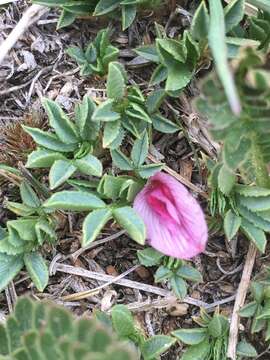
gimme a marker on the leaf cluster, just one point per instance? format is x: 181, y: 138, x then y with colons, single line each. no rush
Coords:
x: 21, y: 240
x: 176, y: 271
x: 97, y: 55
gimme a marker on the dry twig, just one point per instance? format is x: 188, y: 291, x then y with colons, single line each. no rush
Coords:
x: 240, y: 300
x: 32, y: 14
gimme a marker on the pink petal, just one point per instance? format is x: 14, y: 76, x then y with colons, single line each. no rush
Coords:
x: 174, y: 220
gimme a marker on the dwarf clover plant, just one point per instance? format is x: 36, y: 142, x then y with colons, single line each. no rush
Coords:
x: 42, y: 330
x: 97, y: 56
x: 126, y: 109
x: 23, y: 237
x: 70, y: 147
x: 176, y: 271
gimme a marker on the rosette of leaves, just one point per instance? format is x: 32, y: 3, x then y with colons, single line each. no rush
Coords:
x: 259, y: 29
x: 258, y: 309
x: 68, y: 149
x: 210, y: 340
x: 108, y: 199
x: 42, y: 330
x: 176, y: 271
x: 97, y: 55
x: 127, y: 329
x: 126, y: 109
x: 176, y: 59
x: 21, y: 240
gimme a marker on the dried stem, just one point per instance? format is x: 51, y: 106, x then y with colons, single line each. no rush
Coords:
x: 240, y: 300
x: 32, y: 14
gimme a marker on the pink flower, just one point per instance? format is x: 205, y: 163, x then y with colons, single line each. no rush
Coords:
x: 174, y: 220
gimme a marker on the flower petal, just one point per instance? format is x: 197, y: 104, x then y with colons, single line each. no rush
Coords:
x: 181, y: 239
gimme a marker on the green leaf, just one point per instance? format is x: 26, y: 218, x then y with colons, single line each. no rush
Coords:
x: 148, y: 52
x: 28, y: 196
x: 140, y: 150
x: 116, y: 82
x: 215, y: 326
x: 197, y: 352
x: 89, y: 165
x: 234, y: 13
x: 164, y: 125
x: 74, y: 201
x: 232, y: 224
x: 42, y: 158
x: 159, y: 74
x: 66, y: 18
x: 10, y: 266
x: 128, y: 219
x: 190, y: 336
x: 37, y: 269
x: 179, y: 286
x: 254, y: 218
x: 163, y: 273
x: 49, y: 141
x: 88, y: 129
x: 217, y: 43
x: 189, y: 273
x: 257, y: 236
x: 200, y: 22
x: 154, y: 100
x: 93, y: 224
x: 104, y: 112
x: 248, y: 310
x: 123, y: 322
x: 120, y: 160
x: 156, y: 346
x: 178, y: 77
x: 128, y: 15
x: 20, y: 209
x: 149, y: 257
x: 106, y: 6
x: 246, y: 349
x: 255, y: 204
x: 226, y: 180
x: 111, y: 132
x: 252, y: 191
x: 149, y: 170
x: 64, y: 128
x: 60, y: 172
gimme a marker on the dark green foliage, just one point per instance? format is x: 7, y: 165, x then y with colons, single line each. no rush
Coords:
x: 176, y: 271
x: 43, y: 331
x: 97, y: 55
